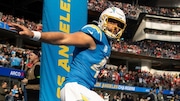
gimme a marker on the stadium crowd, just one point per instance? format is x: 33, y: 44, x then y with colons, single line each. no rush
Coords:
x: 118, y: 75
x: 152, y: 48
x: 132, y: 11
x: 121, y: 75
x: 13, y: 57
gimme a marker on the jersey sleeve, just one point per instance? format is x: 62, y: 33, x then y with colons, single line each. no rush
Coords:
x: 94, y: 31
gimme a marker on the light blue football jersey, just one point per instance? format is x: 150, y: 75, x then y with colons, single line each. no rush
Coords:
x: 86, y: 64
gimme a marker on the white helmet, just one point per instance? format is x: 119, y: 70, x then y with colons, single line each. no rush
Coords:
x: 113, y: 14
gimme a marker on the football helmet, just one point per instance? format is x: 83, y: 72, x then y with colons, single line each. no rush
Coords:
x: 114, y: 15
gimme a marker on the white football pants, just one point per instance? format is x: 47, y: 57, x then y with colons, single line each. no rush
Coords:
x: 75, y: 92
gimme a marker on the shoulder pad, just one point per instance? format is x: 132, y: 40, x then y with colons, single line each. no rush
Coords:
x: 93, y: 30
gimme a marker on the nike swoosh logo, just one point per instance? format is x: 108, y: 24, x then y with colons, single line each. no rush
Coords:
x: 90, y: 31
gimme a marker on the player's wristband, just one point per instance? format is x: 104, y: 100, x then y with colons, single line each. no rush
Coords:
x: 37, y: 35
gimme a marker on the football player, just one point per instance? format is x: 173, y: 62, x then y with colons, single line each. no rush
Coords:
x: 92, y: 50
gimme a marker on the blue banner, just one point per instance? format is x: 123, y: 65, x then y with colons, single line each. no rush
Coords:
x: 4, y: 25
x: 64, y: 16
x: 10, y: 72
x: 129, y: 88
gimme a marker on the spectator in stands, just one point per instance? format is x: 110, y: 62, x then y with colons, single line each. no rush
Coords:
x: 32, y: 79
x: 160, y: 96
x: 152, y: 95
x: 14, y: 90
x: 91, y: 39
x: 15, y: 61
x: 9, y: 96
x: 130, y: 98
x: 115, y: 77
x: 18, y: 96
x: 100, y: 93
x: 176, y: 98
x: 143, y: 98
x: 3, y: 59
x: 124, y: 98
x: 3, y: 90
x: 172, y: 98
x: 106, y: 97
x: 114, y: 98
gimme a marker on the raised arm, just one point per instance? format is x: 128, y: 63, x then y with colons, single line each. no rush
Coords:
x: 78, y: 39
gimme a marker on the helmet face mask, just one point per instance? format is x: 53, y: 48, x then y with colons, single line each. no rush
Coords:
x: 112, y: 15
